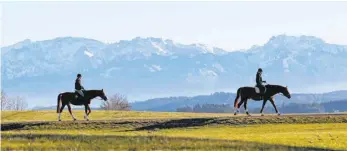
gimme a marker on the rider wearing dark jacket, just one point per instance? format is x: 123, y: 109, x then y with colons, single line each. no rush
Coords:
x: 78, y: 87
x: 260, y: 81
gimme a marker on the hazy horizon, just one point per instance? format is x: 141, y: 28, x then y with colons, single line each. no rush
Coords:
x: 227, y: 25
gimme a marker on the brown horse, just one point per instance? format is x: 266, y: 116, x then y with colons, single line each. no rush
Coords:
x: 245, y: 93
x: 68, y: 98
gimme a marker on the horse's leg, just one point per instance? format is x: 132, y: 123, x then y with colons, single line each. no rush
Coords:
x: 245, y: 106
x: 238, y: 106
x: 73, y: 117
x: 273, y: 103
x: 89, y: 109
x: 262, y: 108
x: 61, y: 110
x: 85, y: 110
x: 237, y: 98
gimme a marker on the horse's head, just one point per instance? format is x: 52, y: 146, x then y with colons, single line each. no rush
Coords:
x: 102, y: 95
x: 285, y: 92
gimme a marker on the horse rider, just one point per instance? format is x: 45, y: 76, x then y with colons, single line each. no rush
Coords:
x: 78, y: 87
x: 260, y: 81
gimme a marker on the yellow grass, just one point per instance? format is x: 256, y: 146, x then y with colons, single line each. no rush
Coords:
x: 329, y: 136
x: 323, y: 135
x: 49, y: 115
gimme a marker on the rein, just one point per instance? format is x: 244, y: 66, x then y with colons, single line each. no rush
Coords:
x: 280, y: 94
x: 98, y: 98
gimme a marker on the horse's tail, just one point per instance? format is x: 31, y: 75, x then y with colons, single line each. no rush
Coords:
x: 59, y: 102
x: 238, y: 97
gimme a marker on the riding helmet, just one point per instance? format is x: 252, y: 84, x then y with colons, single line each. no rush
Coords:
x: 260, y: 70
x: 79, y: 75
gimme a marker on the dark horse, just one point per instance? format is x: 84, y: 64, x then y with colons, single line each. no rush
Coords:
x: 245, y: 93
x: 68, y: 98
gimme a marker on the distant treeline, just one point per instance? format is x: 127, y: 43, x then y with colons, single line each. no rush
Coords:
x: 171, y: 104
x: 332, y: 106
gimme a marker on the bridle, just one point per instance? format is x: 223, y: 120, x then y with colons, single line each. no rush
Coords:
x: 99, y: 98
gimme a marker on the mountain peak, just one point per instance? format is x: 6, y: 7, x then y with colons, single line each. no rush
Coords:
x: 151, y: 39
x: 21, y: 44
x: 285, y: 39
x: 70, y: 39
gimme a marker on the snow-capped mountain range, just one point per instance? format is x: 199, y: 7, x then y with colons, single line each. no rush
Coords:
x: 154, y: 67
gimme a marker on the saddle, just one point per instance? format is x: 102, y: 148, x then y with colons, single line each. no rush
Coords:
x: 257, y: 89
x: 259, y: 95
x: 78, y: 95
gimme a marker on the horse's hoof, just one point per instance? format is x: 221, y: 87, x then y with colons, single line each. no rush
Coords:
x: 74, y: 119
x: 278, y: 114
x: 262, y: 114
x: 235, y: 113
x: 59, y: 120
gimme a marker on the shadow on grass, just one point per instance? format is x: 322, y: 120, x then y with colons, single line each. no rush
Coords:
x: 18, y: 126
x: 69, y: 125
x: 92, y: 142
x: 234, y: 121
x: 134, y: 125
x: 182, y: 123
x: 154, y: 124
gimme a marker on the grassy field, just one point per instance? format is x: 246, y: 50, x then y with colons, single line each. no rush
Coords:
x: 21, y: 116
x: 39, y: 130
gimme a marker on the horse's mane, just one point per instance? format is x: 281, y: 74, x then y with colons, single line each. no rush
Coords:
x: 94, y: 91
x: 274, y: 86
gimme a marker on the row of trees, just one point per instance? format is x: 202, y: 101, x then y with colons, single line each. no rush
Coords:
x: 332, y: 106
x: 16, y: 103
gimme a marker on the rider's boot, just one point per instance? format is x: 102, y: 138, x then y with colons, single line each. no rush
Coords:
x: 261, y: 93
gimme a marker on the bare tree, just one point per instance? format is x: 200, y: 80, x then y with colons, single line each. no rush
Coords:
x: 4, y: 100
x: 116, y: 102
x: 17, y: 103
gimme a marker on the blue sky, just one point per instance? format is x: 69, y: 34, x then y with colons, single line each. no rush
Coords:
x: 229, y: 25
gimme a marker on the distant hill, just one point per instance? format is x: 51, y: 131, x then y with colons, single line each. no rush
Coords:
x: 326, y: 107
x: 172, y: 103
x: 335, y: 106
